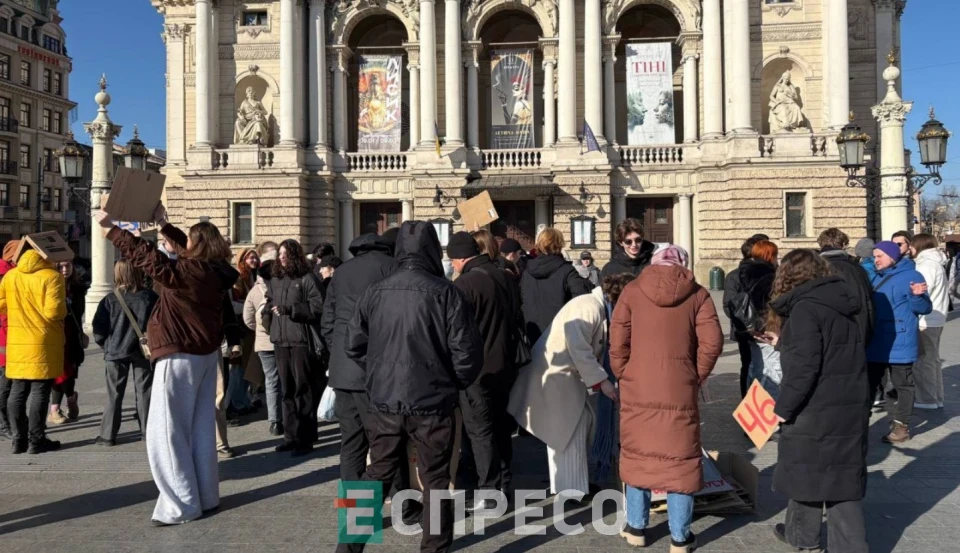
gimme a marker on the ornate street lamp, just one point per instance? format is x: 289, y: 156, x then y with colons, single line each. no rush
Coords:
x: 72, y: 159
x: 932, y: 138
x: 135, y: 154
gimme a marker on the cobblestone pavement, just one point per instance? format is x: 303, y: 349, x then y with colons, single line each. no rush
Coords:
x: 90, y: 498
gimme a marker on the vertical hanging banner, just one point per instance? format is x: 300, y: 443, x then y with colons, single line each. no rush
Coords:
x: 380, y: 108
x: 511, y: 98
x: 650, y: 112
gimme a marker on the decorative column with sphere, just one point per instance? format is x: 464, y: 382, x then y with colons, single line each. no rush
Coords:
x: 891, y: 113
x: 102, y: 131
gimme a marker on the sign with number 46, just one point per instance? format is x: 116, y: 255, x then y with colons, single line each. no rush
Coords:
x: 755, y: 415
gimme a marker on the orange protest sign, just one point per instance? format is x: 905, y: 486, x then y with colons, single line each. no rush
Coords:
x: 755, y: 415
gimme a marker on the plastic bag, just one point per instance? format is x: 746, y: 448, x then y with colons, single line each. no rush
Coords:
x: 326, y: 412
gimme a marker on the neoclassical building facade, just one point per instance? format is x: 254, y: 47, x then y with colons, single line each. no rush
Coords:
x: 320, y: 120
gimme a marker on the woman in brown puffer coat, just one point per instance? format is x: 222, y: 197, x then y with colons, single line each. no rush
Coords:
x: 665, y: 339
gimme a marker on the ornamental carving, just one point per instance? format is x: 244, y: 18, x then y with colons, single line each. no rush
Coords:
x: 547, y: 13
x: 782, y: 8
x: 892, y: 112
x: 687, y: 12
x: 857, y: 20
x: 190, y: 79
x: 250, y: 52
x: 341, y: 12
x: 99, y: 130
x: 787, y: 32
x: 173, y: 32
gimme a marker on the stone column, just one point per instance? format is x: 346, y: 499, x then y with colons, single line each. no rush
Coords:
x: 712, y: 71
x: 610, y: 88
x: 176, y: 97
x: 428, y: 73
x: 214, y: 109
x: 592, y: 68
x: 686, y: 225
x: 837, y: 63
x: 619, y: 200
x: 472, y: 64
x: 452, y: 73
x: 691, y: 113
x: 407, y: 210
x: 338, y: 65
x: 202, y: 77
x: 891, y: 113
x: 102, y: 131
x: 541, y: 213
x: 727, y: 67
x: 567, y: 78
x: 549, y: 49
x: 288, y: 69
x: 740, y: 78
x: 318, y: 74
x: 346, y: 227
x: 413, y: 66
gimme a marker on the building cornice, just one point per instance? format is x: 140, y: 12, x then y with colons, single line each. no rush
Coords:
x: 24, y: 91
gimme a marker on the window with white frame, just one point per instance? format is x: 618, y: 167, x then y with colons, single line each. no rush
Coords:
x: 796, y: 213
x: 241, y: 222
x: 583, y: 231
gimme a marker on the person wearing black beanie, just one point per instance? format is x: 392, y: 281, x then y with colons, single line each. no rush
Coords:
x: 484, y: 403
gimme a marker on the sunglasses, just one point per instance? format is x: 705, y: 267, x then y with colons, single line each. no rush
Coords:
x: 631, y: 242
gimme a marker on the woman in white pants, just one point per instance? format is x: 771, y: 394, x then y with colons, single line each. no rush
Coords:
x: 549, y: 398
x: 184, y: 334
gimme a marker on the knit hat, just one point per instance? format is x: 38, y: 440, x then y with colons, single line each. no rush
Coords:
x: 510, y: 246
x: 864, y: 248
x: 671, y: 255
x: 890, y: 248
x: 10, y: 251
x: 462, y: 246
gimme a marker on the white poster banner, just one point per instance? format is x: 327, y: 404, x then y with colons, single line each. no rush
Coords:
x: 650, y: 110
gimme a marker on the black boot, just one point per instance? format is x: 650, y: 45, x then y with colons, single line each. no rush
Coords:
x: 43, y: 445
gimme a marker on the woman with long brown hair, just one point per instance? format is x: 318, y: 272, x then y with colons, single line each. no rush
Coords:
x: 824, y: 404
x: 238, y: 402
x: 184, y: 335
x: 64, y: 387
x: 292, y: 313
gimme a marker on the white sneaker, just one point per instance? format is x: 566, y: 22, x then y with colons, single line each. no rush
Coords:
x: 939, y: 405
x: 926, y: 406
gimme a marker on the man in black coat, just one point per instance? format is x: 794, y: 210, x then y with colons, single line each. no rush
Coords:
x: 415, y: 336
x: 484, y: 403
x: 833, y: 243
x: 631, y: 253
x: 372, y: 261
x: 732, y: 287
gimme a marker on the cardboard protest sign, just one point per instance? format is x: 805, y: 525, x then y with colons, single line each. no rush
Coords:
x: 477, y: 212
x: 713, y: 481
x: 141, y: 226
x: 755, y: 415
x: 50, y: 245
x: 134, y: 195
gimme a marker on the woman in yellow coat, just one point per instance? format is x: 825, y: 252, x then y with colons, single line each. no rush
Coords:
x: 33, y: 297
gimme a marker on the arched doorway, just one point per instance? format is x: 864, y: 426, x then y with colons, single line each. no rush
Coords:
x: 377, y: 45
x: 640, y: 27
x: 508, y: 31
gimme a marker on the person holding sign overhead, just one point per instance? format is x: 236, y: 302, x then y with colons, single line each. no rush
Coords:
x: 823, y: 404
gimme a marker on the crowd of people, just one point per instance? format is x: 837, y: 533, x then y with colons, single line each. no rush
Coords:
x: 605, y: 367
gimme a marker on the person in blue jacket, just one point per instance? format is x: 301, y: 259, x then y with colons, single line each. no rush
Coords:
x: 900, y: 298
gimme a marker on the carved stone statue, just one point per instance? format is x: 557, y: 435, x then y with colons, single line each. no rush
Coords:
x: 253, y: 121
x: 785, y: 113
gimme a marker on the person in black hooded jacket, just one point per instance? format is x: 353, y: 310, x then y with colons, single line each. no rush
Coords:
x: 833, y: 244
x: 631, y: 253
x: 372, y: 261
x: 415, y: 336
x: 731, y: 287
x: 823, y: 404
x: 548, y: 283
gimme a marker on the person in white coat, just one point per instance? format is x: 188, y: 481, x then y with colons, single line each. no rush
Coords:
x: 927, y: 371
x: 550, y: 397
x: 252, y: 315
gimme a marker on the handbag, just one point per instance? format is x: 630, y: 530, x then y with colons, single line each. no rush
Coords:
x: 524, y: 353
x: 144, y: 347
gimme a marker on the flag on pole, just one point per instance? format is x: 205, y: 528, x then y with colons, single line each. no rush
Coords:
x: 590, y: 139
x: 436, y: 137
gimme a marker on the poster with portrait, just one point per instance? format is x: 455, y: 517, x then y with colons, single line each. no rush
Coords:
x: 380, y: 104
x: 511, y: 98
x: 650, y: 110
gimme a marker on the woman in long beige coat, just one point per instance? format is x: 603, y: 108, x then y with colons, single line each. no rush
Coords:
x: 549, y: 398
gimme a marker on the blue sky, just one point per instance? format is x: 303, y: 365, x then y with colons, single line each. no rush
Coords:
x: 122, y: 39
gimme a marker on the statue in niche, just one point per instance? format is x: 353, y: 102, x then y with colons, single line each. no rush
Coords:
x: 785, y: 113
x: 252, y: 126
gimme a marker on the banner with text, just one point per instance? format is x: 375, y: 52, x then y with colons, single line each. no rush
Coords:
x: 511, y: 98
x: 380, y: 112
x: 650, y: 113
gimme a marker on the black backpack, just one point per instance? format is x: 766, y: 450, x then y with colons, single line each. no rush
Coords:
x: 744, y: 312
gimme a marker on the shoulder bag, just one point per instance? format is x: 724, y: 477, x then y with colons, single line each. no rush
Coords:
x: 144, y: 348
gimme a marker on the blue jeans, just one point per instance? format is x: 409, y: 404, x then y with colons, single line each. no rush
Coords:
x: 679, y: 512
x: 271, y: 380
x: 237, y: 389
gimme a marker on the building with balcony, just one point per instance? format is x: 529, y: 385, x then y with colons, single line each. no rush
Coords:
x: 713, y: 119
x: 34, y: 116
